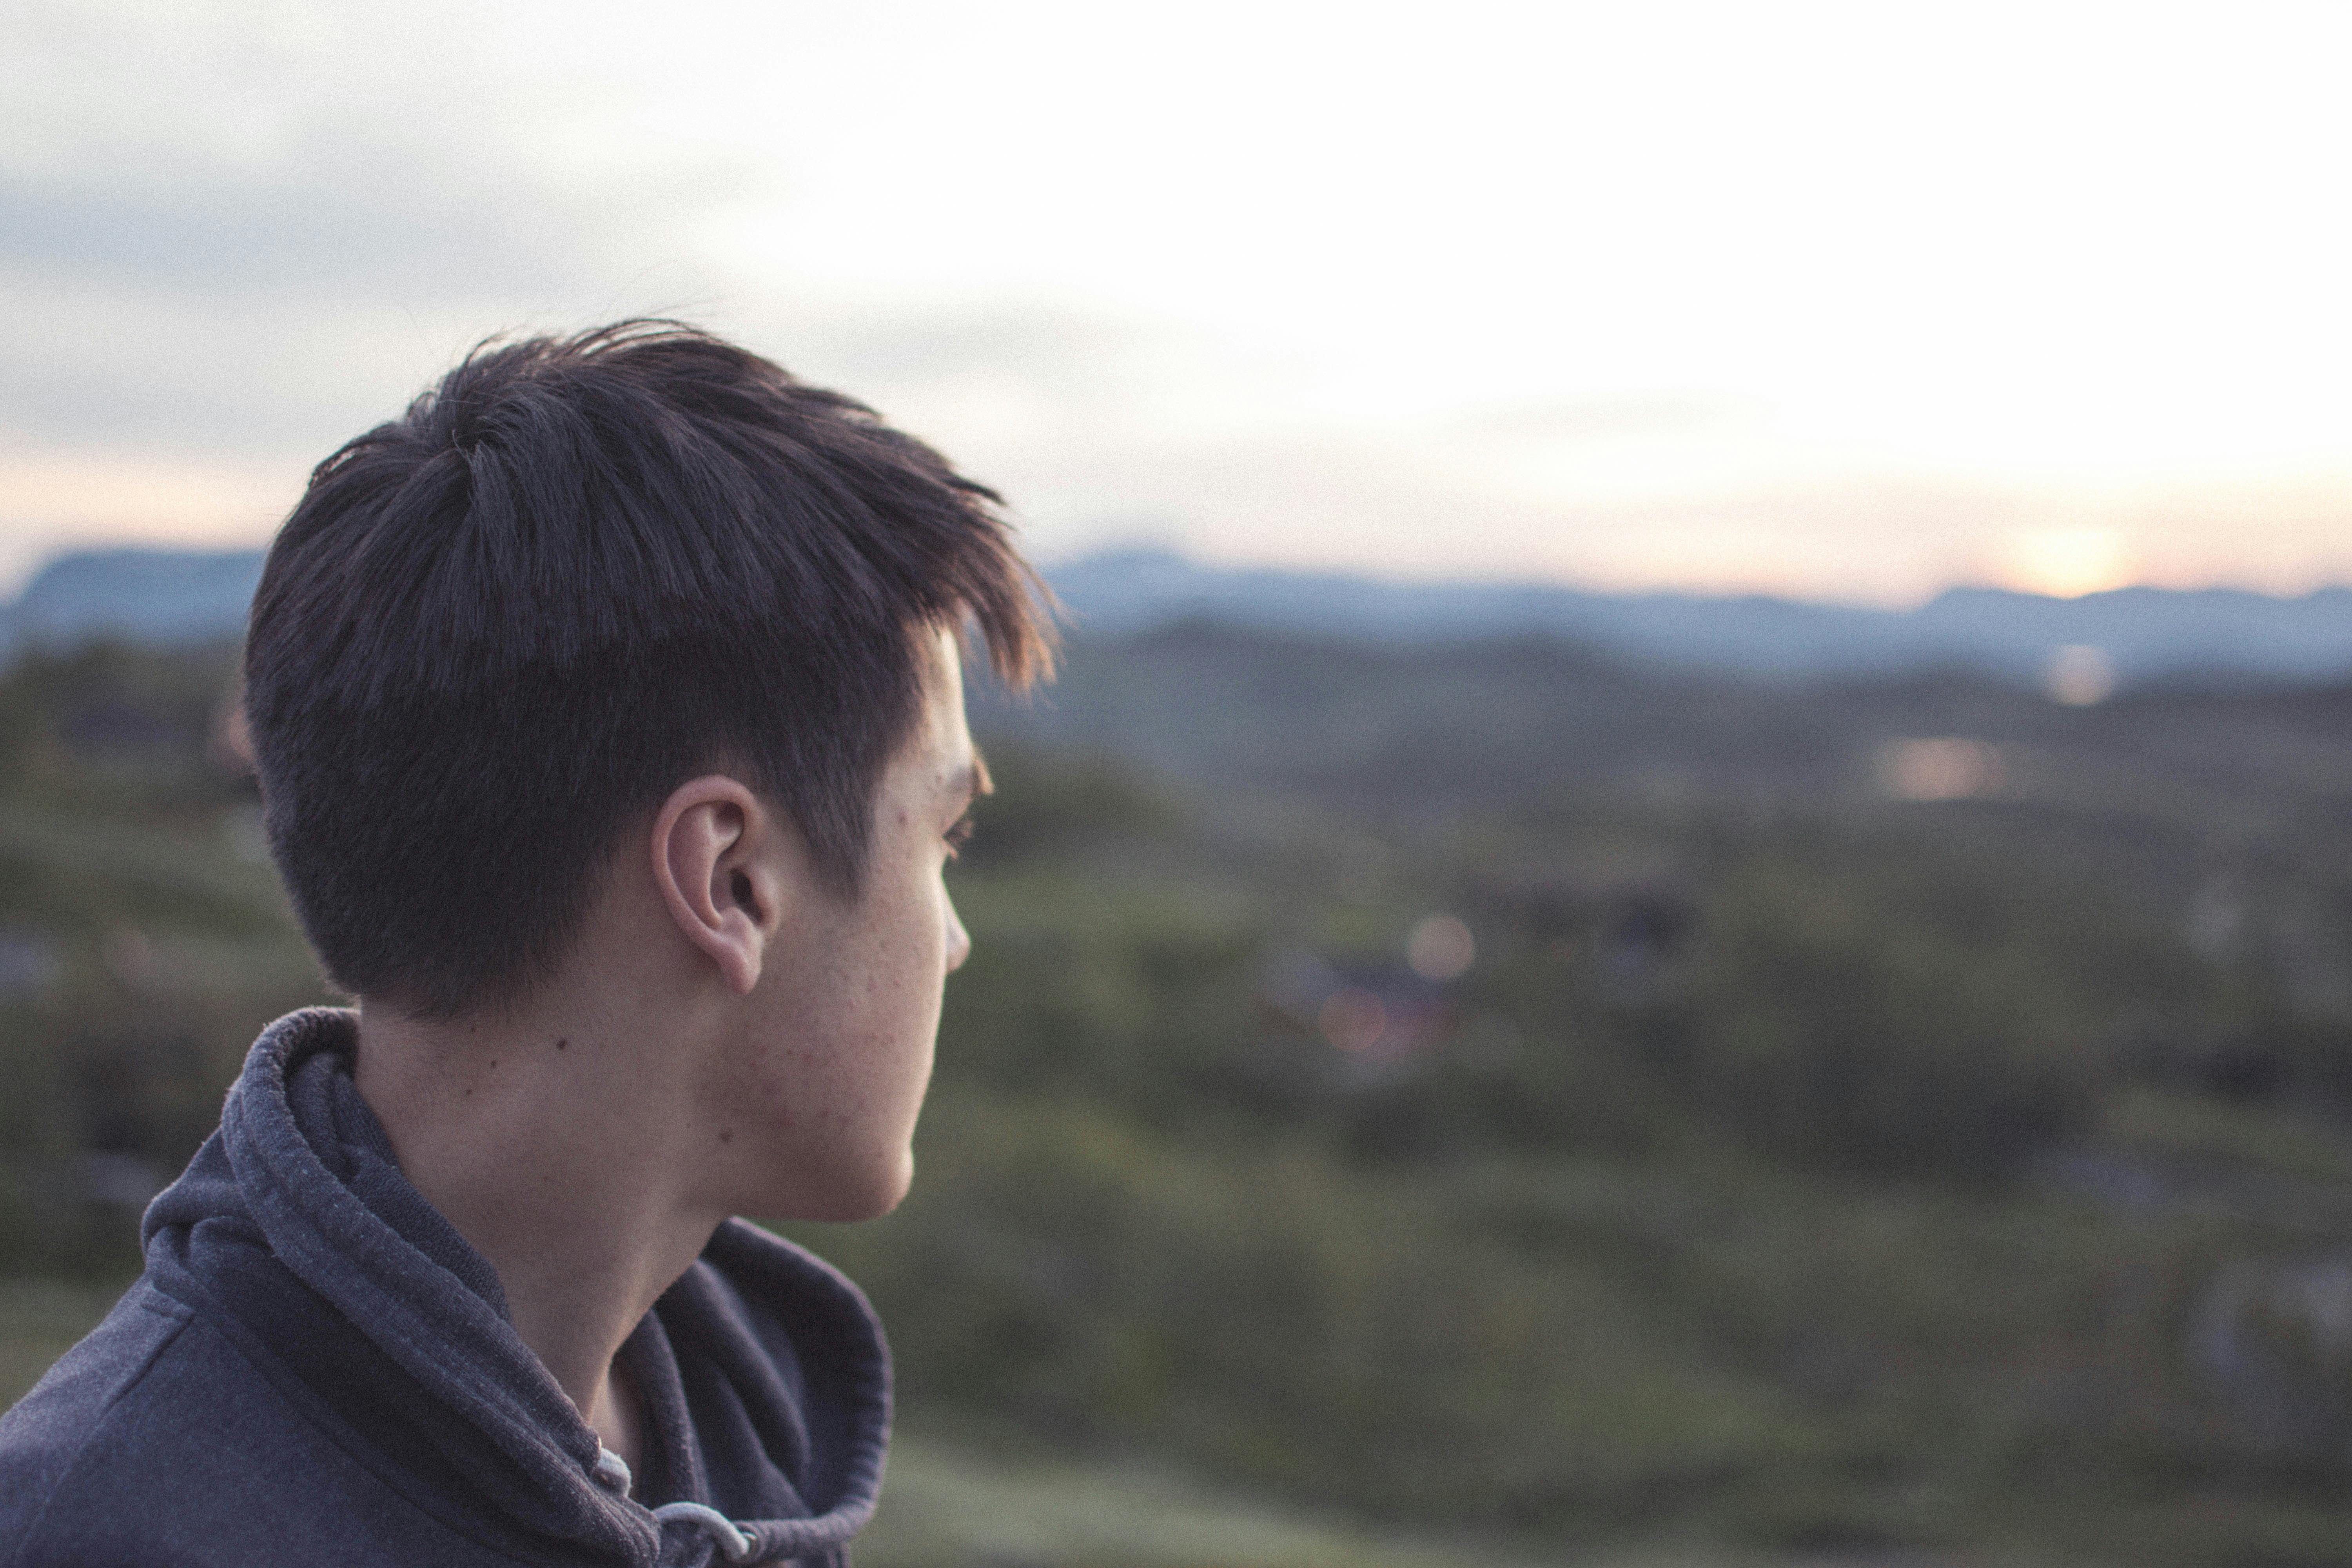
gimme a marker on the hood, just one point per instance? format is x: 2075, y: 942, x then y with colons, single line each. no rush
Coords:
x: 765, y: 1375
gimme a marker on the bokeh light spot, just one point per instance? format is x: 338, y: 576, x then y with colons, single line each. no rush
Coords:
x: 2080, y: 675
x: 1353, y: 1020
x: 1945, y: 768
x: 1439, y: 948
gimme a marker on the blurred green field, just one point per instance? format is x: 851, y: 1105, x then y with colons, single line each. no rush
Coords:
x: 957, y: 1504
x: 1793, y: 1177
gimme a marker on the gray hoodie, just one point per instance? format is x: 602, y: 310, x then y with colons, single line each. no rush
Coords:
x: 316, y: 1368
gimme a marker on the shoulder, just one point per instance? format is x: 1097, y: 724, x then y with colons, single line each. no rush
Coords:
x: 157, y: 1438
x: 48, y: 1432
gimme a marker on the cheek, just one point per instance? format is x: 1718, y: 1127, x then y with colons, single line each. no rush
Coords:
x: 845, y: 1075
x: 894, y: 993
x: 917, y: 970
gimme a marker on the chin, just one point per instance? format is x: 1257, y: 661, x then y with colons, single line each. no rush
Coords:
x: 848, y: 1197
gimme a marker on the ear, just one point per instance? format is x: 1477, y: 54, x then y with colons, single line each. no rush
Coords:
x: 714, y: 851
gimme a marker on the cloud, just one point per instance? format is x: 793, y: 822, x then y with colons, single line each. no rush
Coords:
x: 343, y: 218
x: 233, y: 235
x: 1563, y: 419
x: 1006, y: 363
x: 244, y: 224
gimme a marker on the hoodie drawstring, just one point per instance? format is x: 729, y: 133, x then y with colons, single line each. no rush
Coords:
x: 733, y: 1543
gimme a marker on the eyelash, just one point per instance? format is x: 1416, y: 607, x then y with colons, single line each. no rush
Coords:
x: 959, y: 835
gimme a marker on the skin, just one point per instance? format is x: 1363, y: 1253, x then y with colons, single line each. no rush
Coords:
x: 728, y: 1036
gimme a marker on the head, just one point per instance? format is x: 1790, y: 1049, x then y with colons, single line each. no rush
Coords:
x: 499, y: 635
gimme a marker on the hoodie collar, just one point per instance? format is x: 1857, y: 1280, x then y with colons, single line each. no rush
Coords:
x: 765, y: 1375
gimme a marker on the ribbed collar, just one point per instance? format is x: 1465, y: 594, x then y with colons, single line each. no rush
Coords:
x: 766, y: 1377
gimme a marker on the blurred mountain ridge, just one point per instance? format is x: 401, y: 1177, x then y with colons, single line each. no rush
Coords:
x: 2145, y: 633
x: 164, y: 597
x: 149, y: 596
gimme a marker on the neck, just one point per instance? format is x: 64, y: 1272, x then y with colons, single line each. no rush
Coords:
x: 547, y: 1141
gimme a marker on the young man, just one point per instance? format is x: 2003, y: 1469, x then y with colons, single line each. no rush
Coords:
x: 610, y: 729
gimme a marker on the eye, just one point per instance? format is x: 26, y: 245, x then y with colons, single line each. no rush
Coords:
x: 960, y: 835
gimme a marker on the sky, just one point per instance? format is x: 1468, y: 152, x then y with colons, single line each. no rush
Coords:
x: 1842, y: 302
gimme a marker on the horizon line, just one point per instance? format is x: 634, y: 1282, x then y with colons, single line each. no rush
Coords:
x: 11, y: 592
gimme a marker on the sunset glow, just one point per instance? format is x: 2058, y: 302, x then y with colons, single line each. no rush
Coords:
x: 1689, y: 296
x: 2067, y: 562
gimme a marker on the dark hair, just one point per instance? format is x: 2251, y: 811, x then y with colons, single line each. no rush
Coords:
x: 501, y: 627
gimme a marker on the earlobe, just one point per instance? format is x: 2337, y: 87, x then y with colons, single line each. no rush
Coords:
x: 707, y: 843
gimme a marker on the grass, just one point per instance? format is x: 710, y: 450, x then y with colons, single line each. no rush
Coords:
x: 2249, y: 1137
x: 947, y: 1502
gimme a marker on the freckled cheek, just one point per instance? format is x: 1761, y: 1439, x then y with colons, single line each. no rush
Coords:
x: 845, y: 1072
x: 780, y: 1100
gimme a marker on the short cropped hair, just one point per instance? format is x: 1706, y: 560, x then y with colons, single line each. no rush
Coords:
x: 500, y: 629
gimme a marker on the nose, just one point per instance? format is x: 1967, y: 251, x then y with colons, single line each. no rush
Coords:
x: 959, y: 940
